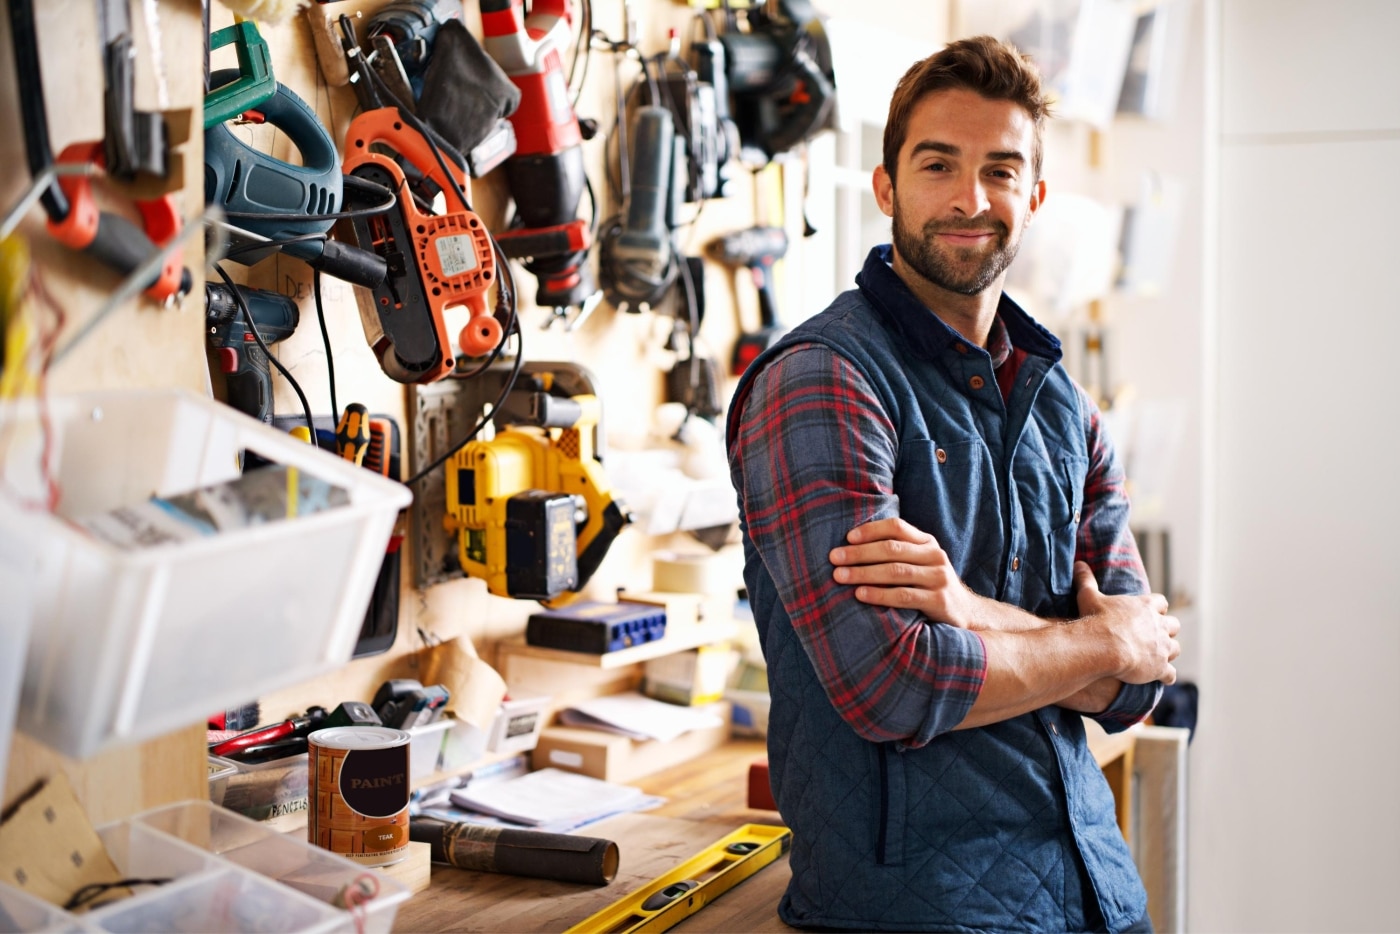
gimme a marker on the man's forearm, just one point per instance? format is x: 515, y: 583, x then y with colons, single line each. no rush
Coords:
x: 987, y: 613
x: 1027, y: 670
x: 1094, y: 699
x: 992, y: 614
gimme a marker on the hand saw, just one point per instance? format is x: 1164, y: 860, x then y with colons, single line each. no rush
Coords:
x: 436, y: 261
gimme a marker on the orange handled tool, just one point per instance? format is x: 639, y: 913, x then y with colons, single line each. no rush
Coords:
x: 352, y: 434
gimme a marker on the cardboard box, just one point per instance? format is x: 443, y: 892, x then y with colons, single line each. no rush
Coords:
x: 616, y: 758
x: 692, y: 678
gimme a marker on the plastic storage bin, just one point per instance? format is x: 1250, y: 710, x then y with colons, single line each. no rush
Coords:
x: 204, y: 894
x: 425, y: 748
x: 130, y: 644
x: 219, y: 771
x: 292, y: 863
x: 16, y: 571
x: 226, y: 874
x: 20, y: 911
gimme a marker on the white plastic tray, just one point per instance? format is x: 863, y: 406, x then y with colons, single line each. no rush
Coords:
x: 130, y: 644
x: 227, y: 874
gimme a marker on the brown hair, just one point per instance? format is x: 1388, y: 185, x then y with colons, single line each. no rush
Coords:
x: 982, y: 64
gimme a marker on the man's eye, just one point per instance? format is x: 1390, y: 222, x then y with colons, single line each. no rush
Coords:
x: 1001, y: 173
x: 936, y: 167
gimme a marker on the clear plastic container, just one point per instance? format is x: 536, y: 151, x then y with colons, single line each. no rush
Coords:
x: 202, y: 894
x: 20, y: 911
x: 291, y: 862
x: 425, y: 748
x: 220, y: 769
x: 216, y: 902
x: 157, y: 637
x: 16, y: 570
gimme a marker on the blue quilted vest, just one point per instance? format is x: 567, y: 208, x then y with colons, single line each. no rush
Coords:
x: 1010, y: 827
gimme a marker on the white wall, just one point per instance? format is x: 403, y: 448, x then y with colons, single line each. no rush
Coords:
x: 1296, y: 766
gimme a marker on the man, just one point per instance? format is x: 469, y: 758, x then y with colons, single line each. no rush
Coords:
x: 938, y: 558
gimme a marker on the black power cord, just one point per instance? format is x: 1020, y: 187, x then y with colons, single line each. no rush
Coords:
x: 248, y: 320
x: 325, y: 342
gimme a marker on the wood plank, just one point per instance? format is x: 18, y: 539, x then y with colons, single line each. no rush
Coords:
x: 678, y: 638
x: 479, y: 901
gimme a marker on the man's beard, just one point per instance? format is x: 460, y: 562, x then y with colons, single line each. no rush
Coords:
x: 956, y: 269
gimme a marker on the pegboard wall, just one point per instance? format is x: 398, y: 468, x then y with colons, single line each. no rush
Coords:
x: 143, y: 343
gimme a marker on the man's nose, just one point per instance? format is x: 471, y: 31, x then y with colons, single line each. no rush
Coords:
x: 970, y: 196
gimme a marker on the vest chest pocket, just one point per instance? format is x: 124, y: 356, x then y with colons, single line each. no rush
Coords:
x: 1070, y: 473
x: 941, y: 490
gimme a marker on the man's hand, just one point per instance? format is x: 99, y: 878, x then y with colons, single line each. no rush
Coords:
x: 1142, y: 632
x: 891, y: 563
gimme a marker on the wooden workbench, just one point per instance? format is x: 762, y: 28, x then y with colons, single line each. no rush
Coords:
x: 706, y: 799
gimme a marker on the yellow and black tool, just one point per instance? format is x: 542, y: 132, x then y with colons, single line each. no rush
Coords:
x: 533, y: 511
x: 352, y: 434
x: 673, y: 896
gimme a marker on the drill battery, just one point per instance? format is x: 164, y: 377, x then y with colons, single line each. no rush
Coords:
x: 596, y: 628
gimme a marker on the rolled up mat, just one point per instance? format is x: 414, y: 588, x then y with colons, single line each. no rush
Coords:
x: 559, y: 856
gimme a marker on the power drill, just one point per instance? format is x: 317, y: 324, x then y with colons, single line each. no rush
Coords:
x: 755, y: 249
x: 242, y: 361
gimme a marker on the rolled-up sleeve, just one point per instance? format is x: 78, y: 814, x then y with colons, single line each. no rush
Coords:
x: 1107, y: 545
x: 813, y: 455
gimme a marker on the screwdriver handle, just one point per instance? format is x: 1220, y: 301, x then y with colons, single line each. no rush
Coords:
x: 352, y: 433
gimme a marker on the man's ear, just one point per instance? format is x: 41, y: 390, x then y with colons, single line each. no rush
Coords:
x: 1038, y: 192
x: 883, y: 186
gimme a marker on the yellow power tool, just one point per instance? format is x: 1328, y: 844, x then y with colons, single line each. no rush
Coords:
x: 532, y: 509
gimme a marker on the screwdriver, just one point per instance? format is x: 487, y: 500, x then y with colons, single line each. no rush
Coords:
x: 352, y: 434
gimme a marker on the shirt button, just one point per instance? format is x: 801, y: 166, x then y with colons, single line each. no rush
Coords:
x: 960, y: 347
x: 1016, y: 563
x: 1076, y: 516
x: 941, y: 455
x: 977, y: 382
x: 1054, y: 729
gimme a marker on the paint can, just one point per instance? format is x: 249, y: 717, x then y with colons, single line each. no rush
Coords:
x: 358, y: 788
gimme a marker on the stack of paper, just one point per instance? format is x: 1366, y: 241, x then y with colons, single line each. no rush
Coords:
x: 551, y: 797
x: 639, y: 717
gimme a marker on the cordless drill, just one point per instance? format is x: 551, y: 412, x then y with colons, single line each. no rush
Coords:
x: 755, y: 249
x: 245, y: 366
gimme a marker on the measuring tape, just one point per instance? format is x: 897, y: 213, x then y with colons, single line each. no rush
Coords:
x: 674, y: 896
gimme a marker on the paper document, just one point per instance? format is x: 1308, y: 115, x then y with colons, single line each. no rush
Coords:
x: 639, y: 717
x: 550, y: 796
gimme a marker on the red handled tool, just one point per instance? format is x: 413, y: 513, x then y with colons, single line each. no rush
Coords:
x: 296, y: 726
x: 546, y: 175
x: 74, y: 217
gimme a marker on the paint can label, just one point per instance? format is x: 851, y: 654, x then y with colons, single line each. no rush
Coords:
x: 358, y: 788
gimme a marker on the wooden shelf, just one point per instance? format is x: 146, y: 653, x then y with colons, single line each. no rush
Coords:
x: 678, y: 638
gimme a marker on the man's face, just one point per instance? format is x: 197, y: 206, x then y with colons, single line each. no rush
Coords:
x: 964, y: 192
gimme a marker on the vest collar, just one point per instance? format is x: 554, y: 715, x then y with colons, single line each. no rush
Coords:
x: 925, y: 332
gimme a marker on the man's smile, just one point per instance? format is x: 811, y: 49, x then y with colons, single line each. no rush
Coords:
x: 966, y: 237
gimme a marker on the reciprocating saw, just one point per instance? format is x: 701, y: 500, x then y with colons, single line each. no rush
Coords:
x: 533, y: 511
x: 546, y: 175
